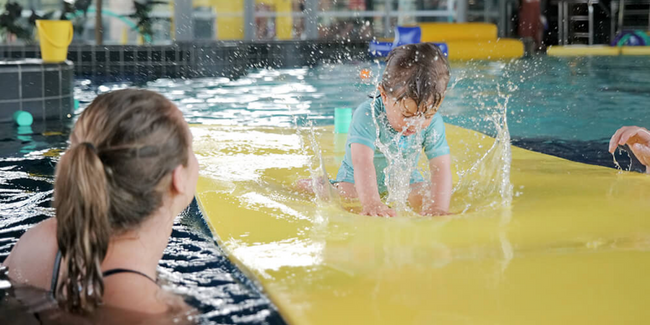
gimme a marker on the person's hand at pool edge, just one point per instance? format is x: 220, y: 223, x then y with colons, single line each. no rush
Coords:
x: 637, y: 138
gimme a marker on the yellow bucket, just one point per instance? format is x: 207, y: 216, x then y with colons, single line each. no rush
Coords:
x: 55, y: 36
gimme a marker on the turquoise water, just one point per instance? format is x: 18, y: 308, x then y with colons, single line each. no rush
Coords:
x: 581, y: 99
x: 568, y: 107
x: 571, y: 99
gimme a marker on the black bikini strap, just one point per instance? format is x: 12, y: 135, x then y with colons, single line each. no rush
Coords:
x: 57, y: 267
x: 115, y: 271
x: 55, y: 273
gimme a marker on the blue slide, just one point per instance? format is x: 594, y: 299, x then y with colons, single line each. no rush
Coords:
x: 403, y: 35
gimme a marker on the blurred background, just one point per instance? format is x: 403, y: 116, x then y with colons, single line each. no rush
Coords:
x: 125, y: 21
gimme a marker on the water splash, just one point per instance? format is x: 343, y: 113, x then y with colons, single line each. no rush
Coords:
x: 487, y: 183
x: 616, y: 164
x: 622, y: 150
x: 316, y: 166
x: 400, y: 167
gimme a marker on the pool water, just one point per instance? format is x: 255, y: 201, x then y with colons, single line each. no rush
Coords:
x: 565, y: 107
x: 192, y: 265
x: 569, y: 99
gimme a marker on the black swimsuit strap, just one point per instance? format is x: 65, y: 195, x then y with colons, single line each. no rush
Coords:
x: 57, y: 267
x: 55, y: 273
x: 116, y: 271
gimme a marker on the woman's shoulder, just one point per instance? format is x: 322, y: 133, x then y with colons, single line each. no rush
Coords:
x: 32, y: 258
x: 43, y: 234
x: 130, y: 292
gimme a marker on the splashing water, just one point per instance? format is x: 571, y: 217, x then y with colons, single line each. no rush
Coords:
x: 487, y: 182
x: 618, y: 166
x: 622, y: 150
x: 400, y: 166
x: 318, y: 174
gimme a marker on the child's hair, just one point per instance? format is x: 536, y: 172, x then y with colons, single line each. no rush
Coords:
x: 123, y: 149
x: 419, y: 72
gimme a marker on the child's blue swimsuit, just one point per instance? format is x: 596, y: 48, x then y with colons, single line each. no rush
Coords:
x: 363, y: 130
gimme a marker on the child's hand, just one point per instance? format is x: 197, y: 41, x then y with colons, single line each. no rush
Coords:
x: 365, y: 181
x: 377, y: 209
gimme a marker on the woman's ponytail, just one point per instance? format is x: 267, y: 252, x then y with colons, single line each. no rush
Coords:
x: 108, y: 182
x: 81, y: 202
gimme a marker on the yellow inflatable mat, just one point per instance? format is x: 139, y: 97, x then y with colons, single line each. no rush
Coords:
x: 472, y: 41
x: 635, y: 50
x: 597, y: 50
x: 496, y: 49
x: 583, y: 50
x: 572, y: 248
x: 445, y: 32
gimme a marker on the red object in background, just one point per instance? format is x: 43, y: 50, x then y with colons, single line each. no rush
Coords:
x: 357, y: 4
x: 530, y: 22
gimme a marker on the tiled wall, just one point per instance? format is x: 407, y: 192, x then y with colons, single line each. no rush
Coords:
x: 44, y: 90
x: 197, y: 59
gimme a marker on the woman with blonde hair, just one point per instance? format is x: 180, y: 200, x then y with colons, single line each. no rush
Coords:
x: 129, y: 171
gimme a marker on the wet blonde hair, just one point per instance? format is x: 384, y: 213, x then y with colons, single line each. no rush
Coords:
x: 112, y: 177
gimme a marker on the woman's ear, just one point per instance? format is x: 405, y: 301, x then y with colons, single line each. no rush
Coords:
x: 178, y: 180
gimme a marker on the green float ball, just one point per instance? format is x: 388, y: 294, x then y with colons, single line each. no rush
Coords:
x: 342, y: 119
x: 22, y: 118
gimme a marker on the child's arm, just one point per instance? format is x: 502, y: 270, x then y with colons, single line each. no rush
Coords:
x: 365, y: 180
x: 441, y: 187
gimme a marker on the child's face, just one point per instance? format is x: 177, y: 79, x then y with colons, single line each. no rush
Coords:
x: 402, y: 114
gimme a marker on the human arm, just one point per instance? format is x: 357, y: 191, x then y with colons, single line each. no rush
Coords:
x: 365, y: 180
x: 637, y: 138
x: 437, y: 202
x: 437, y: 198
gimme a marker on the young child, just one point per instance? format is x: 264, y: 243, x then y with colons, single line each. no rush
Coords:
x: 412, y: 89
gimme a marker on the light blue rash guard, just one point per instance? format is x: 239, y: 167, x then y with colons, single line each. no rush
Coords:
x: 363, y: 130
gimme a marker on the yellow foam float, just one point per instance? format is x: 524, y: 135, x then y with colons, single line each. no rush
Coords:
x: 597, y: 50
x: 496, y: 49
x: 583, y: 50
x: 472, y: 41
x: 444, y: 32
x: 635, y: 50
x: 572, y: 248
